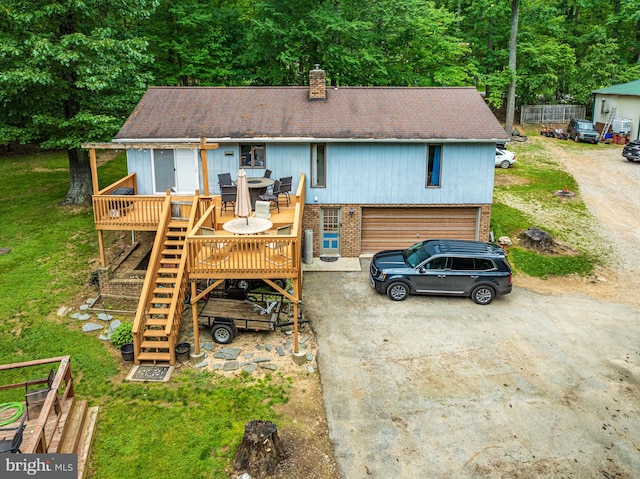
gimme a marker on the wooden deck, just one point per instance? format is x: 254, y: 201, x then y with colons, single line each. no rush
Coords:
x: 182, y: 255
x: 58, y: 422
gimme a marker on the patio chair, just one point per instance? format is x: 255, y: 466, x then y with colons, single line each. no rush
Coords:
x: 229, y: 195
x: 219, y: 251
x: 34, y: 398
x: 273, y: 196
x: 275, y: 253
x: 11, y: 438
x: 224, y: 179
x: 262, y: 210
x: 285, y: 187
x: 267, y: 173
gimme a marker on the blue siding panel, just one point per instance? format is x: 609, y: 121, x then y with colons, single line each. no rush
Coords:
x: 359, y: 173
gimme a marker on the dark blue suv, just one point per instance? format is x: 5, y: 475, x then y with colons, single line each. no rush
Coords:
x: 443, y: 267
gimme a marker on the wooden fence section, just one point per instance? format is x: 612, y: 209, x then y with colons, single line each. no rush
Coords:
x: 551, y: 113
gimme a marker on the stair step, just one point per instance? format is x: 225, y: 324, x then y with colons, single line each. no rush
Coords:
x: 158, y: 310
x: 166, y: 260
x: 163, y: 291
x: 143, y: 356
x: 161, y: 300
x: 155, y: 345
x: 73, y: 428
x: 173, y: 243
x: 157, y: 322
x: 165, y: 280
x: 172, y: 271
x: 154, y: 333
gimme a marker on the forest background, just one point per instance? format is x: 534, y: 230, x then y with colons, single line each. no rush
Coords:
x: 71, y: 71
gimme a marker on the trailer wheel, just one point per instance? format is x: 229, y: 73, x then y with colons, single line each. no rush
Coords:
x: 222, y: 333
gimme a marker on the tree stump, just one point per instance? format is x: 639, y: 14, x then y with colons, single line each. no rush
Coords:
x: 538, y: 240
x: 260, y: 449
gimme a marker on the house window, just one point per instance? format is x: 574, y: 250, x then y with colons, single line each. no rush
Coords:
x: 318, y: 166
x: 252, y: 156
x: 434, y: 164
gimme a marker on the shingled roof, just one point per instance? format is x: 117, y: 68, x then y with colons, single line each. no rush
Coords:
x: 282, y: 113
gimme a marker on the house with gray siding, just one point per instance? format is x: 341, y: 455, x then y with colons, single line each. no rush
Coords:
x: 385, y: 166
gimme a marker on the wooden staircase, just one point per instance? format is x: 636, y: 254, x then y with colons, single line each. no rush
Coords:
x: 74, y: 433
x: 157, y: 334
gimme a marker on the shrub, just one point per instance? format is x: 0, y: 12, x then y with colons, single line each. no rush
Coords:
x: 122, y: 335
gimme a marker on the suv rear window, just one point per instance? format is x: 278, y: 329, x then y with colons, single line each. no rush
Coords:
x: 472, y: 264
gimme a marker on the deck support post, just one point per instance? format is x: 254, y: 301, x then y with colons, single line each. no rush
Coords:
x: 94, y: 170
x: 296, y: 306
x: 103, y: 260
x: 194, y: 313
x: 205, y: 166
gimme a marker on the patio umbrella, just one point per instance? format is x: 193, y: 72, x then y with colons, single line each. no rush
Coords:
x: 243, y: 198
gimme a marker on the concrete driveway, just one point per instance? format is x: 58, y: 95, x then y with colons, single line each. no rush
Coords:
x: 529, y: 386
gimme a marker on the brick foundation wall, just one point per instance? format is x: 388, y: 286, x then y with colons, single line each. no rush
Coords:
x: 109, y: 286
x: 350, y: 231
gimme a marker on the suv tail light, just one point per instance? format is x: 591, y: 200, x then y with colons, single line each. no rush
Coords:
x: 510, y: 278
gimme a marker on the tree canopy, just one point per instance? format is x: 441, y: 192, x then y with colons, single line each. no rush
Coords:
x: 71, y: 71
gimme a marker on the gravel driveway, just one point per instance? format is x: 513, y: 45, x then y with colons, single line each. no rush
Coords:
x: 533, y: 385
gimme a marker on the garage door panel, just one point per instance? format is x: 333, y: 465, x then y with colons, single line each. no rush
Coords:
x: 392, y: 228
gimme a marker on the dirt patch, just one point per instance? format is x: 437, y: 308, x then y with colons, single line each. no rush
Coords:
x: 510, y: 180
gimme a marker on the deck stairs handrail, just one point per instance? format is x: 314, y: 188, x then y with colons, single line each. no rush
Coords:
x: 157, y: 322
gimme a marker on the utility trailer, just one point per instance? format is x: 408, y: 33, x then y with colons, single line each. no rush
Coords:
x: 226, y: 316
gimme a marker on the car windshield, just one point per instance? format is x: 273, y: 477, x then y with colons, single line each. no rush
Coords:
x: 585, y: 125
x: 416, y: 254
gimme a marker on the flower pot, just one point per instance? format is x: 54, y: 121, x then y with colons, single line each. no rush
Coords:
x: 182, y: 352
x: 127, y: 352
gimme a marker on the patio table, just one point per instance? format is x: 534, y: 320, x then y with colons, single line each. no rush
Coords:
x: 239, y: 226
x: 256, y: 185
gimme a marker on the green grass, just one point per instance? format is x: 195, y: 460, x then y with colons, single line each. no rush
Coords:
x: 538, y: 176
x: 187, y: 428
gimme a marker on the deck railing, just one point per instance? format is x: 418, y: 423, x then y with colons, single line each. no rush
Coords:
x: 256, y: 256
x: 134, y: 212
x: 152, y: 271
x: 56, y: 396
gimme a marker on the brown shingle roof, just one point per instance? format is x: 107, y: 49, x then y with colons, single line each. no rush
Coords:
x: 286, y: 112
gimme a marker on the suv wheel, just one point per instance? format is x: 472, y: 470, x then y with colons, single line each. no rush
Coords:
x: 483, y: 294
x: 575, y: 138
x: 398, y: 291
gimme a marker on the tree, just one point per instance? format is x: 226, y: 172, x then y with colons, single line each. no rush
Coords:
x: 196, y: 42
x: 69, y: 73
x: 513, y: 45
x: 405, y: 42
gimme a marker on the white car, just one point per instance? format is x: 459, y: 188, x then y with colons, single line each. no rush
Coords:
x: 504, y: 158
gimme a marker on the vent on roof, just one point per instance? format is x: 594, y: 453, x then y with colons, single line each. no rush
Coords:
x: 317, y: 84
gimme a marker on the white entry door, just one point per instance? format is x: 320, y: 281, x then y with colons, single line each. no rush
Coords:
x: 187, y: 172
x: 176, y: 170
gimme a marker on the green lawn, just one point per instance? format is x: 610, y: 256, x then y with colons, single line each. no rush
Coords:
x: 187, y: 428
x: 527, y: 200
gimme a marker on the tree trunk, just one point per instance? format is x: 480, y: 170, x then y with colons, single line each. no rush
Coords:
x: 80, y: 187
x: 260, y: 449
x: 513, y: 44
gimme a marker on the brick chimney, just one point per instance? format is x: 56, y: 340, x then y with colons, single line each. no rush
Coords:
x: 317, y: 84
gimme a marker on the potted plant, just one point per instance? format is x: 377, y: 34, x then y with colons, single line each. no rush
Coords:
x: 122, y: 338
